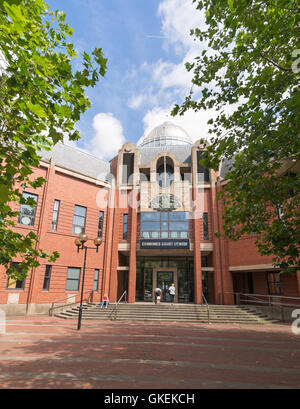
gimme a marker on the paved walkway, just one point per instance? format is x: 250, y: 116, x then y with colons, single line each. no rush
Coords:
x: 47, y: 352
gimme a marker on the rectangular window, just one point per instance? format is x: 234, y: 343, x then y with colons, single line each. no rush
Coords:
x: 202, y: 172
x: 205, y: 226
x: 73, y: 278
x: 47, y: 277
x: 165, y: 225
x: 100, y: 224
x: 96, y: 279
x: 15, y: 284
x: 55, y: 215
x: 128, y: 168
x: 27, y: 212
x: 125, y: 226
x: 79, y: 219
x: 274, y: 283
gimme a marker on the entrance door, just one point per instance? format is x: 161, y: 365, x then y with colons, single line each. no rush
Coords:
x: 122, y: 283
x: 164, y: 281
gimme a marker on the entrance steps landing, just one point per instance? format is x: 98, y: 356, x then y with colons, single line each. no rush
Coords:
x: 232, y: 314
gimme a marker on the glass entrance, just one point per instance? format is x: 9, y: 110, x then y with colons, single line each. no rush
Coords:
x: 164, y: 281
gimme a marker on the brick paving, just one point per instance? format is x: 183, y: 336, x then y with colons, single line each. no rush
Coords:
x: 46, y: 352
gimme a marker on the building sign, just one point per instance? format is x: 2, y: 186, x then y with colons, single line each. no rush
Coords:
x: 165, y: 244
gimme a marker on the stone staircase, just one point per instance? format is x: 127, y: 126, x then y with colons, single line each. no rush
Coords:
x: 232, y: 314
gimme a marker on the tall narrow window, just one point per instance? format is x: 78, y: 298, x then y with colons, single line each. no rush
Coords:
x: 79, y: 219
x: 205, y: 226
x: 15, y: 284
x: 96, y: 279
x: 125, y: 226
x: 202, y: 172
x: 55, y: 215
x: 47, y: 277
x: 73, y: 278
x: 100, y: 224
x: 128, y: 168
x: 27, y: 211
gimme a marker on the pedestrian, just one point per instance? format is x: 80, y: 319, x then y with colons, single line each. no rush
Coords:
x: 157, y: 294
x: 172, y: 291
x: 105, y: 301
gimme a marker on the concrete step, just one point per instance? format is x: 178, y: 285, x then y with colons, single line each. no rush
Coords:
x: 167, y: 312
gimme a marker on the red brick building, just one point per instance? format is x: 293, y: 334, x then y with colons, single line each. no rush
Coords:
x: 156, y: 211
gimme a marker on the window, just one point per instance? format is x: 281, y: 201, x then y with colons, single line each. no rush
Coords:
x: 47, y: 277
x: 128, y: 168
x: 164, y: 225
x: 79, y: 219
x: 165, y: 175
x: 100, y: 224
x: 73, y: 278
x: 96, y: 279
x: 55, y: 215
x: 15, y: 284
x: 125, y: 226
x: 27, y: 212
x: 205, y: 226
x: 274, y: 283
x: 202, y: 172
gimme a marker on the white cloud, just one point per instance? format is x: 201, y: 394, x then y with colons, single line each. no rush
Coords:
x: 108, y: 136
x: 178, y: 18
x: 136, y: 101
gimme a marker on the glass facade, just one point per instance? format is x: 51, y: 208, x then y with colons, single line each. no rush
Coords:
x: 185, y: 276
x: 164, y: 225
x: 166, y: 141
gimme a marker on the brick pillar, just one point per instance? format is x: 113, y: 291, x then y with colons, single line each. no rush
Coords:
x: 33, y: 290
x: 114, y: 255
x: 132, y: 254
x: 197, y: 253
x: 217, y: 254
x: 109, y: 243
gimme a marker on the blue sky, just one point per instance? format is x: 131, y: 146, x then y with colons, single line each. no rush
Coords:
x: 146, y: 43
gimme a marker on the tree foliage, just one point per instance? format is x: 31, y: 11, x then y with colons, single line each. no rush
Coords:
x: 41, y: 99
x: 248, y: 73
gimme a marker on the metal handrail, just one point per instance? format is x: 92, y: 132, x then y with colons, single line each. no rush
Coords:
x: 115, y: 310
x: 253, y: 299
x: 207, y: 306
x: 67, y: 298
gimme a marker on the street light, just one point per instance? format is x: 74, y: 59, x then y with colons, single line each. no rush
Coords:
x: 79, y: 242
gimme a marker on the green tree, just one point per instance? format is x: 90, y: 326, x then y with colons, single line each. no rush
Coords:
x: 41, y: 99
x: 248, y: 72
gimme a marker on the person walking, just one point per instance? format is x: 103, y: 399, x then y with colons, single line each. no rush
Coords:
x: 157, y: 295
x: 172, y: 292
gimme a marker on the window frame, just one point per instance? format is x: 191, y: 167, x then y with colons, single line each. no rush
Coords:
x: 47, y: 277
x: 22, y: 207
x: 100, y: 223
x: 125, y: 224
x: 55, y: 212
x: 96, y: 280
x: 205, y: 226
x: 164, y: 232
x: 73, y: 279
x: 79, y: 216
x: 15, y: 264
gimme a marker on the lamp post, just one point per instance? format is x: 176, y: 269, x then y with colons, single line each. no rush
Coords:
x: 79, y: 242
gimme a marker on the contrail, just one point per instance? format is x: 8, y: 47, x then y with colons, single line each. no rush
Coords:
x: 154, y: 36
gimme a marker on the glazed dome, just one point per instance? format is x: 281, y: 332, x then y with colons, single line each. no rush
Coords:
x: 166, y: 134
